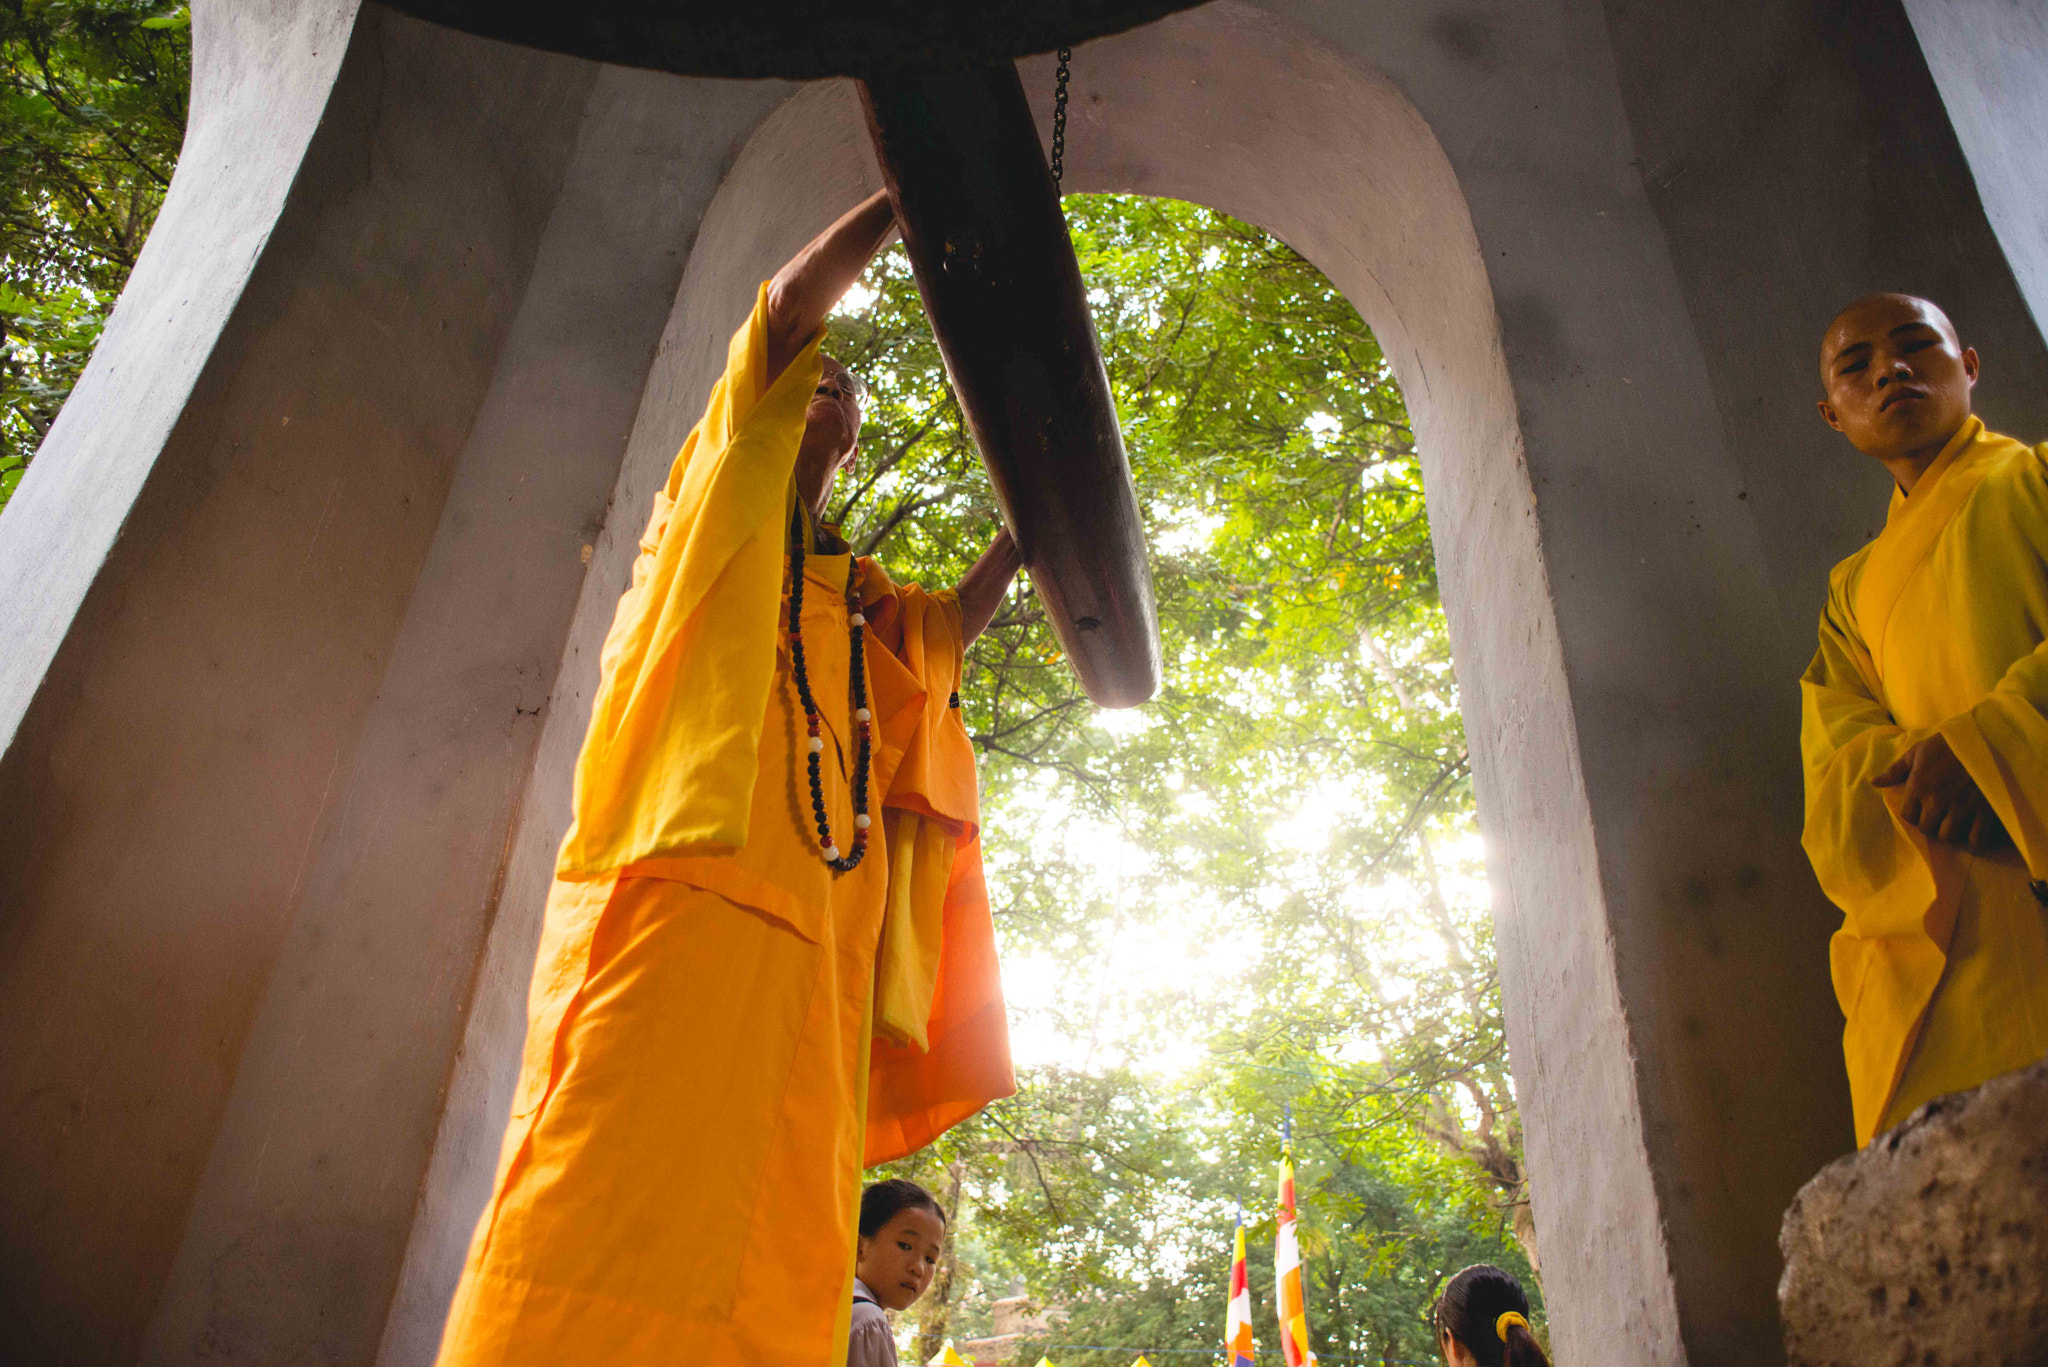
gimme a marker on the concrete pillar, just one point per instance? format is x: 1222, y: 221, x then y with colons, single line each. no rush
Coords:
x: 1987, y: 59
x: 1789, y: 170
x: 801, y: 170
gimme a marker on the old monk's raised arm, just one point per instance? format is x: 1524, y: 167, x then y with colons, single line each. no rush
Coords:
x: 816, y: 278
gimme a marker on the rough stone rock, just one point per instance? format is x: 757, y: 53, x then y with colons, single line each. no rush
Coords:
x: 1930, y: 1247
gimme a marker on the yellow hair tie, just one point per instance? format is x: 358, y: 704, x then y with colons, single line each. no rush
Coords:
x: 1500, y: 1326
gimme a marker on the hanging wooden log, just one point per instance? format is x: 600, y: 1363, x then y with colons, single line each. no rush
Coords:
x: 982, y: 223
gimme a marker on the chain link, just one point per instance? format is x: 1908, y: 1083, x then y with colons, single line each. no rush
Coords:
x: 1059, y: 119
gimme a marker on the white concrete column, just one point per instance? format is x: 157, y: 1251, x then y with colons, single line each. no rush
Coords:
x: 1990, y: 60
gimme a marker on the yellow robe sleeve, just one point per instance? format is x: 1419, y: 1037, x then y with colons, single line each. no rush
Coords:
x: 942, y: 1037
x: 1898, y: 893
x: 2003, y: 739
x: 668, y: 766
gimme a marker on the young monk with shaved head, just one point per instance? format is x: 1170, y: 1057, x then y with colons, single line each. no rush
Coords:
x: 1925, y: 730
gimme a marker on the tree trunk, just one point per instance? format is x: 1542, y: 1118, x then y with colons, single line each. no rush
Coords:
x: 1525, y: 1235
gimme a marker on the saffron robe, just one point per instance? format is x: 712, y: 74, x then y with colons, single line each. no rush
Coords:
x: 722, y: 1031
x: 1941, y: 964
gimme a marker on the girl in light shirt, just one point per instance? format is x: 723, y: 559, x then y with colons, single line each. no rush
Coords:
x: 901, y: 1231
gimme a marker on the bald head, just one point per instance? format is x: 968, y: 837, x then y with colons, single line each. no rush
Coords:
x: 1897, y: 378
x: 1881, y: 313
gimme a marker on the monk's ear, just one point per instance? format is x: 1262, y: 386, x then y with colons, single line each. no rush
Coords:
x: 1970, y: 364
x: 1828, y: 414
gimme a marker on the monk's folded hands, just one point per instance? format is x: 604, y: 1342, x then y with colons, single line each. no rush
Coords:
x: 1940, y: 799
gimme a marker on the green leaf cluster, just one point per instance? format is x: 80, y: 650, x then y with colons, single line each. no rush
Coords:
x: 93, y: 96
x: 1112, y: 1198
x: 1292, y: 815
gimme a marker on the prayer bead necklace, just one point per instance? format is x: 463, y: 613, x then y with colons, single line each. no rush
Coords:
x: 857, y: 667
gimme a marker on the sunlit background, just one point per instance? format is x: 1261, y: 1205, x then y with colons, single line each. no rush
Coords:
x: 1258, y: 900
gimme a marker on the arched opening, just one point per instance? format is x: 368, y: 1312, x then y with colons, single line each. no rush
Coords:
x: 1254, y: 907
x: 1232, y: 109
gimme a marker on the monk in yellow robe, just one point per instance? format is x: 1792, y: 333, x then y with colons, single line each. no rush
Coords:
x: 1925, y: 728
x: 768, y: 958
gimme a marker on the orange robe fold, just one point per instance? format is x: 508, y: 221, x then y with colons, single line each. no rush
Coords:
x: 1937, y: 626
x: 723, y: 1031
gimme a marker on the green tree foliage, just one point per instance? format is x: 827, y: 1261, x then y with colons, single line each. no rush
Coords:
x: 1113, y: 1198
x: 92, y: 113
x: 1297, y: 798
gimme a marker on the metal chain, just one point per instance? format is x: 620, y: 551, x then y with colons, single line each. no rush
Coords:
x: 1059, y: 119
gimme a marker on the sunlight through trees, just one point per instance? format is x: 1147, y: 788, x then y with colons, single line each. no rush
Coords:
x: 1262, y: 890
x: 92, y: 111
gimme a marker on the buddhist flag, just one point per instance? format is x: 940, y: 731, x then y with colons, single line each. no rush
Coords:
x: 1287, y: 1294
x: 1237, y: 1317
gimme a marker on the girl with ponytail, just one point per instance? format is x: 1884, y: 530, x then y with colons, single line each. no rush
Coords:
x: 1482, y: 1320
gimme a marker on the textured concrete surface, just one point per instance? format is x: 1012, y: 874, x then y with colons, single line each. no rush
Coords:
x: 258, y: 91
x: 1985, y: 56
x: 728, y: 244
x: 366, y: 998
x: 301, y: 637
x: 1930, y: 1247
x: 1776, y: 167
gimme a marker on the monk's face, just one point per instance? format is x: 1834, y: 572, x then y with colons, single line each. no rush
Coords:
x: 831, y: 432
x: 1897, y: 379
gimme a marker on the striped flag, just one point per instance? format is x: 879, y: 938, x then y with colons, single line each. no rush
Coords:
x: 1287, y: 1292
x: 1237, y: 1319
